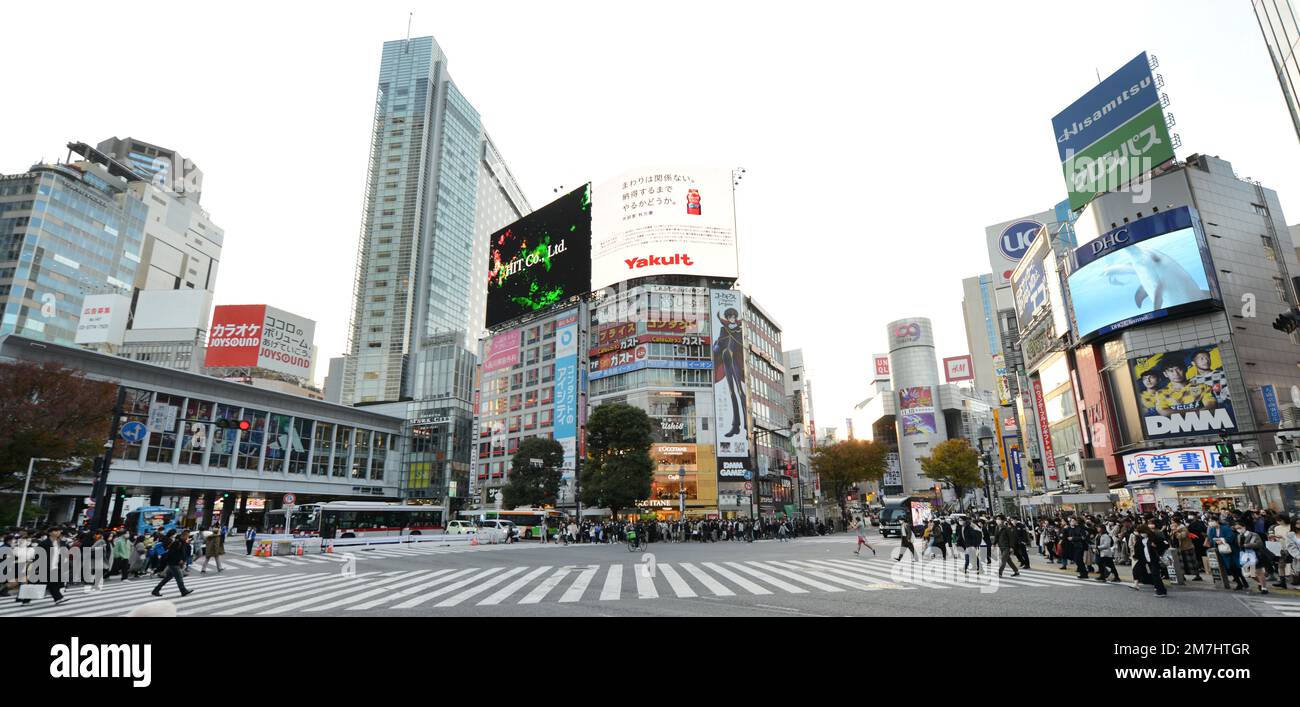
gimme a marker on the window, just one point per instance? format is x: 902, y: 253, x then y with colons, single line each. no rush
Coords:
x: 223, y: 441
x: 251, y: 440
x: 322, y: 444
x: 1280, y: 285
x: 516, y: 402
x: 277, y: 442
x: 299, y: 438
x: 195, y: 431
x: 548, y: 394
x: 516, y: 381
x: 361, y: 454
x: 547, y: 417
x: 513, y: 426
x: 548, y: 373
x: 163, y: 444
x: 342, y: 444
x: 379, y: 455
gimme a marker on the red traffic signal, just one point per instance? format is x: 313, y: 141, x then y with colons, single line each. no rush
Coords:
x: 244, y: 425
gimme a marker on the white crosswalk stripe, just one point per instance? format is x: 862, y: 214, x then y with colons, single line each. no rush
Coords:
x: 264, y: 594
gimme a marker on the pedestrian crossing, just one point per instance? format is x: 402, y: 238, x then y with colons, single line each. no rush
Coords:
x: 430, y: 590
x: 1283, y: 607
x: 347, y: 553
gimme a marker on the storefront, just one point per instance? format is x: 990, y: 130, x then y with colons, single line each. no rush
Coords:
x: 1058, y: 503
x: 1276, y: 487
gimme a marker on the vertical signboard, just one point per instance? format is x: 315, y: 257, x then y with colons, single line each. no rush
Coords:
x: 1270, y: 404
x: 1044, y: 432
x: 730, y: 405
x: 1002, y: 445
x: 566, y: 389
x: 1017, y: 473
x: 880, y: 363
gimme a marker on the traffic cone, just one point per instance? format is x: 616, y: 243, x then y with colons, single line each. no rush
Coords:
x: 299, y: 550
x: 473, y: 540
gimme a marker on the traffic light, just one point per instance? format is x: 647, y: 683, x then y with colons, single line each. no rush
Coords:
x: 1227, y: 455
x: 244, y: 425
x: 1288, y: 321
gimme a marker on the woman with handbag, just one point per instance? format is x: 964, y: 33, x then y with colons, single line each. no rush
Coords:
x: 1182, y: 538
x: 1223, y: 541
x: 1254, y: 554
x: 1278, y: 533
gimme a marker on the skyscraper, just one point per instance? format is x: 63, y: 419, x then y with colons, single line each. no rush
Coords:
x: 436, y: 189
x: 1280, y: 23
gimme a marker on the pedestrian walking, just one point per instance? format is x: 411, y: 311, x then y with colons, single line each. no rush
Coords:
x: 121, y: 555
x: 1146, y: 559
x: 173, y: 560
x: 50, y: 553
x: 213, y: 549
x: 1223, y: 541
x: 861, y: 526
x: 969, y: 539
x: 905, y: 535
x: 1006, y: 540
x: 1105, y: 551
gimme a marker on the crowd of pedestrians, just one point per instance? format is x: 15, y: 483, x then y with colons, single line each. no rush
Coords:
x: 702, y: 531
x: 1237, y: 543
x: 46, y: 556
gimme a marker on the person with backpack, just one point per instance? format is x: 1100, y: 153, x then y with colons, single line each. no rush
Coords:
x: 173, y: 560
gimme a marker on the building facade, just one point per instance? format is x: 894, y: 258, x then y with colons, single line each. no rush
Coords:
x: 1279, y: 20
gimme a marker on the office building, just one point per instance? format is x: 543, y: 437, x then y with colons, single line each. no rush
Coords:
x: 1279, y: 20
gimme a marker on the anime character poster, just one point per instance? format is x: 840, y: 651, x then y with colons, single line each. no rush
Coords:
x: 730, y: 403
x: 916, y: 411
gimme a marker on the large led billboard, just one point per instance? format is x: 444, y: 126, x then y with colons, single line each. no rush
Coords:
x: 1145, y: 270
x: 1182, y: 393
x: 668, y: 221
x: 540, y: 260
x: 1113, y: 134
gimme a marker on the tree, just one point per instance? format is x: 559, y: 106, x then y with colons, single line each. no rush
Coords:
x: 49, y: 411
x: 618, y: 471
x: 844, y: 464
x: 532, y: 484
x: 955, y: 463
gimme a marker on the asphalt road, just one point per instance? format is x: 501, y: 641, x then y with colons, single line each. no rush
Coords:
x: 804, y: 577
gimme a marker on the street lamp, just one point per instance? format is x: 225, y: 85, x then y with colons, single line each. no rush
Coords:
x: 22, y: 505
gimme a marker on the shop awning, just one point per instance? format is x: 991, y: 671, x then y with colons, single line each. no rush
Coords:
x: 1056, y: 498
x: 1284, y: 474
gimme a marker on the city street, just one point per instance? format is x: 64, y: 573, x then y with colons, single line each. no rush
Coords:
x: 806, y: 577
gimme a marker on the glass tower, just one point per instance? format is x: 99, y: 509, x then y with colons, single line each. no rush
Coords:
x: 66, y: 231
x: 1280, y: 23
x: 436, y: 190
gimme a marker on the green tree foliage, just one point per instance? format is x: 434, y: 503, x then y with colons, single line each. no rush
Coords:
x: 531, y: 484
x: 955, y: 463
x: 53, y: 412
x: 844, y: 464
x: 618, y: 471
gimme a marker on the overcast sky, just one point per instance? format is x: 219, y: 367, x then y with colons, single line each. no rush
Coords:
x: 879, y: 138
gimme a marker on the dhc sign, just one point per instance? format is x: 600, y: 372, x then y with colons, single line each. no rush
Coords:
x: 1017, y: 237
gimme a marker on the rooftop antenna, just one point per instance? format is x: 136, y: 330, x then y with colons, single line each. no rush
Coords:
x: 1094, y: 68
x: 410, y: 16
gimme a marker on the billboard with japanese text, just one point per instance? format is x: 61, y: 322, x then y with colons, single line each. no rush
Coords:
x: 260, y: 336
x: 566, y: 389
x: 663, y: 221
x: 103, y: 319
x: 1176, y: 463
x: 540, y: 260
x: 502, y: 351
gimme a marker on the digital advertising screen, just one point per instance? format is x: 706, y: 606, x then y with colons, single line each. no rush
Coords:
x: 1146, y: 270
x: 1183, y: 393
x: 540, y: 260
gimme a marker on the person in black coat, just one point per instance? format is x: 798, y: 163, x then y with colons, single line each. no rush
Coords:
x: 1005, y: 537
x: 1151, y: 546
x: 52, y: 572
x: 1078, y: 538
x: 173, y: 561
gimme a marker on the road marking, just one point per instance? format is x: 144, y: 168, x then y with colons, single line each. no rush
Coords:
x: 498, y: 596
x: 454, y: 600
x: 416, y: 601
x: 579, y: 585
x: 545, y: 587
x: 645, y: 584
x: 342, y: 589
x: 613, y: 583
x: 769, y: 566
x: 769, y: 579
x: 384, y: 589
x: 737, y: 579
x: 412, y: 590
x: 713, y: 585
x: 679, y: 585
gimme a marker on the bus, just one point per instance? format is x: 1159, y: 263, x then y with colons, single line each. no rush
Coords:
x: 529, y: 521
x: 357, y: 519
x: 147, y: 520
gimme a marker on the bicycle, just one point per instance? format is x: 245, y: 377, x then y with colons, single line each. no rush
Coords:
x: 634, y: 544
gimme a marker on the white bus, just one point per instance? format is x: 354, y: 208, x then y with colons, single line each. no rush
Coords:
x: 529, y: 521
x: 358, y: 519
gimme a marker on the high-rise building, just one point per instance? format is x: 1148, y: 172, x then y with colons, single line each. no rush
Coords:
x: 914, y: 374
x: 1280, y: 23
x: 979, y: 310
x: 67, y: 231
x: 803, y: 423
x: 436, y: 189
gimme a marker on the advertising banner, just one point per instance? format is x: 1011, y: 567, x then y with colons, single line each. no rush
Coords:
x: 1017, y: 470
x: 540, y: 260
x: 958, y: 368
x: 1113, y: 134
x: 261, y: 336
x: 893, y: 471
x: 502, y: 351
x: 990, y: 316
x: 1044, y: 431
x: 103, y: 319
x: 1003, y: 381
x: 566, y: 389
x: 672, y: 221
x: 730, y: 403
x: 881, y: 365
x: 672, y: 363
x: 1142, y: 271
x: 1029, y: 287
x: 916, y: 411
x: 1002, y: 446
x: 1183, y: 393
x: 1172, y: 463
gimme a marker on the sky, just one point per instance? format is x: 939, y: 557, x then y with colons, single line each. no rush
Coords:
x: 878, y: 140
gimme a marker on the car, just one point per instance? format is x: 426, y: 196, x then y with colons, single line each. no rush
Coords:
x: 461, y: 527
x: 499, y: 529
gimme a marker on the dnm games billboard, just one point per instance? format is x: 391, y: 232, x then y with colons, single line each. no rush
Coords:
x: 730, y: 406
x: 540, y: 260
x: 1148, y: 269
x: 1183, y: 393
x: 1113, y: 134
x: 672, y: 221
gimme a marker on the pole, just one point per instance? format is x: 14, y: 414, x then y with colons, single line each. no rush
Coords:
x: 23, y: 503
x: 98, y: 517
